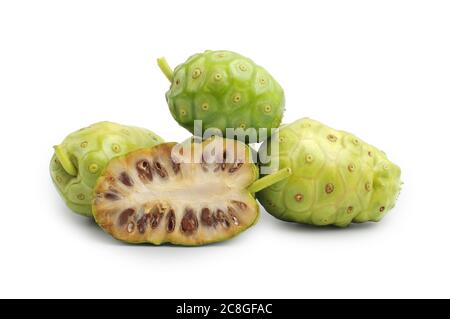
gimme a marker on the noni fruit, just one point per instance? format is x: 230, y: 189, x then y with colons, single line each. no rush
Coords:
x: 80, y: 159
x: 193, y: 193
x: 336, y: 177
x: 223, y: 89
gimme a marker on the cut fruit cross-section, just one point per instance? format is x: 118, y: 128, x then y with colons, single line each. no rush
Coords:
x: 185, y: 194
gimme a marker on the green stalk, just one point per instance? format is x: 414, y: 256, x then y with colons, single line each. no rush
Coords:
x: 269, y: 180
x: 65, y: 161
x: 165, y: 68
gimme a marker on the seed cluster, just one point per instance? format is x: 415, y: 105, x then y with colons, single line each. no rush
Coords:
x: 159, y: 214
x: 149, y: 192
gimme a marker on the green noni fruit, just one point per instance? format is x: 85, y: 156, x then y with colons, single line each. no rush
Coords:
x: 223, y: 89
x: 80, y: 159
x: 336, y: 178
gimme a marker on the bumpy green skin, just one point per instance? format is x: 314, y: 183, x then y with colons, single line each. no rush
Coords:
x: 224, y: 90
x: 90, y: 149
x: 337, y: 178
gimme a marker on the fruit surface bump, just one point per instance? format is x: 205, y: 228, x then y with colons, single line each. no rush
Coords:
x: 223, y: 89
x: 190, y: 197
x: 336, y: 178
x: 80, y: 159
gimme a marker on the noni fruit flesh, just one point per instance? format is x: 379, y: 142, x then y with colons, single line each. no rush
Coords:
x: 223, y: 89
x: 336, y: 178
x: 80, y: 159
x: 193, y: 193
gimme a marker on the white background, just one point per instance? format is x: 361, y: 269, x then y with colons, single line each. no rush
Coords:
x: 379, y: 69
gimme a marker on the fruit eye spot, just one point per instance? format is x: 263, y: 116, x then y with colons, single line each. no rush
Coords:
x: 84, y: 144
x: 299, y: 197
x: 126, y: 132
x: 218, y: 76
x: 58, y: 179
x: 243, y: 67
x: 183, y: 112
x: 267, y: 108
x: 196, y: 73
x: 382, y: 208
x: 309, y: 158
x: 262, y: 81
x: 332, y: 138
x: 356, y: 141
x: 236, y: 98
x: 205, y: 106
x: 116, y: 148
x: 370, y: 153
x: 93, y: 168
x: 386, y: 167
x: 351, y: 167
x: 349, y: 209
x: 80, y: 196
x: 242, y: 126
x: 329, y: 188
x: 177, y: 82
x: 221, y: 55
x: 368, y: 187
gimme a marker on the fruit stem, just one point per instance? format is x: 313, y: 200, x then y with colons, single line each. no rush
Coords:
x: 269, y: 180
x: 65, y: 161
x: 165, y: 68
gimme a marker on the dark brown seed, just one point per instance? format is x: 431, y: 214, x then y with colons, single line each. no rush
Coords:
x: 144, y: 170
x: 126, y: 179
x: 189, y: 223
x: 160, y: 170
x: 175, y: 166
x: 125, y: 215
x: 206, y: 217
x: 171, y: 221
x: 241, y: 205
x: 224, y: 160
x: 235, y: 167
x: 111, y: 196
x: 142, y: 224
x: 155, y: 217
x: 221, y: 218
